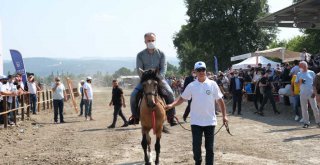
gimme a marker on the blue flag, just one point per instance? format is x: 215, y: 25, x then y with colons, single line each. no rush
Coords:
x: 216, y: 64
x: 18, y: 64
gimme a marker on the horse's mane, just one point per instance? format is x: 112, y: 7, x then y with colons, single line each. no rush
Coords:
x: 153, y: 75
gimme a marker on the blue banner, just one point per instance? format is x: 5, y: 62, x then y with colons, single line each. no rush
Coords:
x: 216, y: 64
x: 18, y: 64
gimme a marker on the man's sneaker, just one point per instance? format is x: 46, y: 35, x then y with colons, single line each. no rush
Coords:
x: 125, y: 125
x: 305, y: 126
x: 301, y: 121
x: 133, y: 121
x: 173, y: 122
x: 296, y: 118
x: 111, y: 126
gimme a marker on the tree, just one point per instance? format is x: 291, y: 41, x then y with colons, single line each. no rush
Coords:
x: 122, y: 72
x: 221, y: 28
x: 172, y: 70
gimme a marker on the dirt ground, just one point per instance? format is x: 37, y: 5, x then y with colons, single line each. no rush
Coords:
x: 273, y: 139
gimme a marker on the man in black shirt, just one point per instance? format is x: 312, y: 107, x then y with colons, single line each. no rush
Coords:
x: 187, y: 81
x: 117, y: 101
x: 266, y: 87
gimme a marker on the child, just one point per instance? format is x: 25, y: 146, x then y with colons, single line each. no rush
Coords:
x: 117, y: 101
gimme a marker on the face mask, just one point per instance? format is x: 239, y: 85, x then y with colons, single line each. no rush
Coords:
x: 151, y: 45
x: 300, y: 69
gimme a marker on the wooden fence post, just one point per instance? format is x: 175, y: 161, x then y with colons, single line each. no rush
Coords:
x: 43, y: 101
x: 13, y: 106
x: 5, y: 108
x: 22, y: 107
x: 51, y: 101
x: 48, y: 101
x: 38, y: 100
x: 28, y: 105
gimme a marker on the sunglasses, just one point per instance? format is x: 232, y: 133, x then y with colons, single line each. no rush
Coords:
x: 201, y: 70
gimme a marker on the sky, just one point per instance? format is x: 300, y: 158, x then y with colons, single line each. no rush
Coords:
x: 95, y: 28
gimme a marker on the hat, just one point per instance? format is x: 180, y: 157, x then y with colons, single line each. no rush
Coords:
x: 89, y: 78
x: 82, y: 81
x: 3, y: 77
x: 199, y: 65
x: 269, y: 64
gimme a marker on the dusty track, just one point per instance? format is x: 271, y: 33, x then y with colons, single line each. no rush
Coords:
x: 257, y: 140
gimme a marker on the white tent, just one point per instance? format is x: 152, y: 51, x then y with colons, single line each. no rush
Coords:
x: 253, y: 62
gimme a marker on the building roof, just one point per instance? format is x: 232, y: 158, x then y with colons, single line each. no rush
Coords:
x: 304, y: 14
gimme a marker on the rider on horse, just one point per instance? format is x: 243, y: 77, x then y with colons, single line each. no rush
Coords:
x: 151, y: 58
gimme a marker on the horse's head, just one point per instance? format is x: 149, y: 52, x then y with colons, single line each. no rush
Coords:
x: 150, y: 82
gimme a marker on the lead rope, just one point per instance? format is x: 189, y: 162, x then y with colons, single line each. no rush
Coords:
x: 226, y: 125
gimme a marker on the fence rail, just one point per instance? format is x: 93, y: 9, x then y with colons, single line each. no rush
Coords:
x: 23, y: 105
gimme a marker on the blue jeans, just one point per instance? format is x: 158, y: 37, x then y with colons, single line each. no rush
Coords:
x: 197, y: 132
x: 58, y: 108
x: 33, y: 103
x: 296, y: 104
x: 88, y: 107
x: 169, y: 99
x: 81, y: 106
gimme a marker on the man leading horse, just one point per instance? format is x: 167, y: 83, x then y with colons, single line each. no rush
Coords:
x: 151, y: 58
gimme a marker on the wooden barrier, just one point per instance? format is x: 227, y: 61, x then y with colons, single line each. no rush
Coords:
x: 44, y: 97
x: 24, y: 101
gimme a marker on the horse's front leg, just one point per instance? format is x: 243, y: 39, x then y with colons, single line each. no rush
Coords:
x: 146, y: 148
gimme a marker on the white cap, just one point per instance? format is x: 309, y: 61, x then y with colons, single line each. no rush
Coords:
x: 199, y: 64
x: 89, y: 78
x: 82, y: 81
x: 3, y: 77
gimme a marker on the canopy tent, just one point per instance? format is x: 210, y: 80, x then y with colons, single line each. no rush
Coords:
x: 253, y: 62
x: 304, y: 14
x: 281, y: 53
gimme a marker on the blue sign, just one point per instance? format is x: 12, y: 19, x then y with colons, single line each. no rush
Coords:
x: 18, y: 64
x: 216, y: 64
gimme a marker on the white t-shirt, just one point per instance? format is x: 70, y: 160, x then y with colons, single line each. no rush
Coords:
x: 32, y: 88
x: 88, y: 87
x: 11, y: 88
x: 58, y: 93
x: 3, y: 88
x: 203, y: 97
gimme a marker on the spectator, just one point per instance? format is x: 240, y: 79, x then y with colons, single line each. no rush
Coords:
x: 295, y: 91
x: 81, y: 95
x: 4, y: 91
x: 58, y: 96
x: 33, y: 88
x: 266, y: 88
x: 237, y: 89
x: 305, y: 79
x: 187, y: 81
x: 295, y: 69
x: 304, y: 56
x: 88, y: 97
x: 117, y: 101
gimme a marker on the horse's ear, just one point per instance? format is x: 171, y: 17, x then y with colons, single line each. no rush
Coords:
x: 141, y: 71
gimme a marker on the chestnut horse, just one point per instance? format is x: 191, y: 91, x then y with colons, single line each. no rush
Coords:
x: 152, y: 112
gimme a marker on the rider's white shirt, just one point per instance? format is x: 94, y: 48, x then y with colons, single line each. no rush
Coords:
x: 203, y: 95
